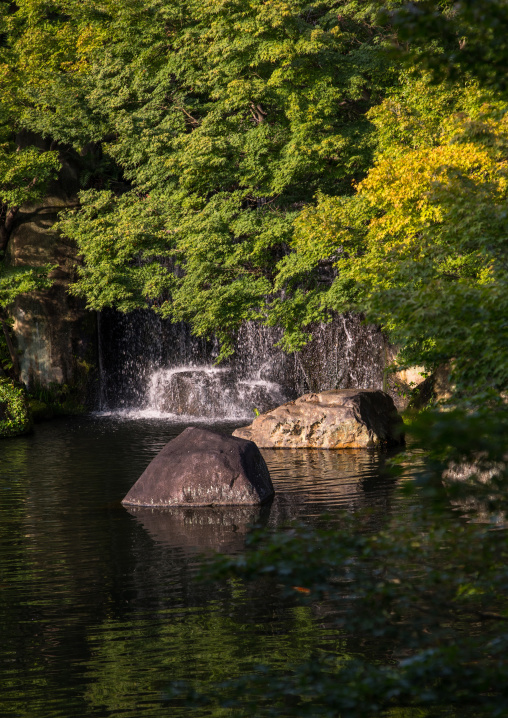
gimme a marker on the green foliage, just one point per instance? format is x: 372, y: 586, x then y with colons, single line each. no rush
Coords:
x: 5, y: 357
x: 421, y: 247
x: 24, y: 171
x: 42, y: 60
x: 24, y: 177
x: 455, y: 38
x: 14, y: 412
x: 225, y: 119
x: 241, y: 131
x: 24, y: 174
x: 20, y: 280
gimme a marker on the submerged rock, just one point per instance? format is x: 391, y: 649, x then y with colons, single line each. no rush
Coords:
x: 337, y: 419
x: 203, y: 468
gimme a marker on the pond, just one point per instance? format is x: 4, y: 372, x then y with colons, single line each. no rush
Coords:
x: 99, y: 606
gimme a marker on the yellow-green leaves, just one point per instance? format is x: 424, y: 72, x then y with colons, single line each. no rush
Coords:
x: 24, y: 173
x: 422, y: 245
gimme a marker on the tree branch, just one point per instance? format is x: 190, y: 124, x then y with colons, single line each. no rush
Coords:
x: 6, y: 227
x: 257, y: 113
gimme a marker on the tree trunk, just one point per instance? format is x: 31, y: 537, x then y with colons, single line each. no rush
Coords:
x: 6, y: 227
x: 10, y: 346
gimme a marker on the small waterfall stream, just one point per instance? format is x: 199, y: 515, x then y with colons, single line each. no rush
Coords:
x: 211, y: 392
x: 152, y: 368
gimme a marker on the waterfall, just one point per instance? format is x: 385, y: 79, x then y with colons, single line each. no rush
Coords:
x: 211, y: 392
x: 152, y: 368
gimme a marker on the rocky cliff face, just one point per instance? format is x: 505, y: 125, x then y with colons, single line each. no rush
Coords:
x: 56, y: 336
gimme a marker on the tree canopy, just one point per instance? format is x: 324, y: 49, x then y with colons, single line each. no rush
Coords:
x: 279, y: 161
x: 276, y: 161
x: 225, y: 119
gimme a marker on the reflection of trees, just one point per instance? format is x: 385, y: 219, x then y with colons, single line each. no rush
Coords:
x: 309, y: 482
x: 63, y: 557
x: 90, y: 593
x: 139, y: 657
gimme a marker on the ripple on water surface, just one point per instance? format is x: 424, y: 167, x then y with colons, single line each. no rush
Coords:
x: 99, y: 607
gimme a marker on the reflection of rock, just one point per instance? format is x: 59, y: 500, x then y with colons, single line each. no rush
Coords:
x: 204, y: 529
x: 337, y: 419
x: 201, y: 468
x: 212, y: 392
x: 472, y: 480
x: 312, y: 482
x: 483, y: 471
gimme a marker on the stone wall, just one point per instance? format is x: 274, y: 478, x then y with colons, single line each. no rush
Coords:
x: 56, y: 336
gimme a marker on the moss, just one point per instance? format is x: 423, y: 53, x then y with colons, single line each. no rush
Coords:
x: 15, y: 418
x: 70, y: 407
x: 47, y: 402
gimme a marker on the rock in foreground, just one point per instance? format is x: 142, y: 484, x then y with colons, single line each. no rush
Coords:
x: 203, y: 468
x: 337, y: 419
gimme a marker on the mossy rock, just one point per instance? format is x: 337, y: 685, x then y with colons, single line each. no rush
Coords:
x: 70, y: 408
x: 15, y: 417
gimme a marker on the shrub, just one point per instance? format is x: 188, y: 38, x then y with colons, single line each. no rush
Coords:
x: 15, y: 416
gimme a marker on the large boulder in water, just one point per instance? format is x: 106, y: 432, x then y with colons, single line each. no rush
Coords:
x: 203, y: 468
x: 337, y: 419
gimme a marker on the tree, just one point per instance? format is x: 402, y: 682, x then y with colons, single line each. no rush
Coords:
x: 225, y: 119
x: 24, y: 176
x: 421, y: 246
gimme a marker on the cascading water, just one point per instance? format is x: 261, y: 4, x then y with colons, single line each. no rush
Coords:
x: 150, y: 367
x: 211, y: 392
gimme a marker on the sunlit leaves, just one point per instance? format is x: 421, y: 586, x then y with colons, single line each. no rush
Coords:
x: 233, y: 115
x: 20, y: 280
x: 421, y: 246
x: 25, y: 173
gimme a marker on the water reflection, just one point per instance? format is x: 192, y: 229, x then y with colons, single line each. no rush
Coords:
x: 307, y: 483
x: 98, y: 605
x: 201, y: 530
x: 324, y: 480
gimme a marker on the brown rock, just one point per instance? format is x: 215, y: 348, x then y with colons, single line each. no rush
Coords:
x: 203, y: 468
x: 337, y: 419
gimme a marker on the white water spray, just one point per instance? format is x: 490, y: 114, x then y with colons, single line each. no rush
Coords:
x: 151, y: 368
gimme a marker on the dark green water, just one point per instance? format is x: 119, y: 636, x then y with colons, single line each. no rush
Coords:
x: 99, y: 608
